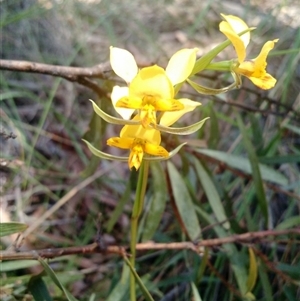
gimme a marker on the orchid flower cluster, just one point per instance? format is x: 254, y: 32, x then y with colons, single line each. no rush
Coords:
x: 148, y: 105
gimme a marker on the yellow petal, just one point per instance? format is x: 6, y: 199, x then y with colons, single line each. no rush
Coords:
x: 151, y: 81
x: 260, y: 60
x: 148, y: 116
x: 238, y: 26
x: 155, y: 150
x: 168, y: 118
x: 116, y: 94
x: 136, y: 157
x: 123, y: 63
x: 266, y: 82
x: 181, y: 65
x: 131, y: 103
x: 124, y: 143
x: 138, y: 131
x: 168, y: 105
x: 231, y: 28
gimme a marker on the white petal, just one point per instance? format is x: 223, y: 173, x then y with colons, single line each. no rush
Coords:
x: 181, y: 65
x: 123, y: 63
x: 116, y: 94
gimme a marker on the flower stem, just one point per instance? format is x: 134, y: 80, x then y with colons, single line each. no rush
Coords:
x: 137, y: 209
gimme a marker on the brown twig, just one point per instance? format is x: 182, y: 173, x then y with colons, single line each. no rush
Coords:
x: 70, y: 73
x: 73, y: 74
x: 119, y: 250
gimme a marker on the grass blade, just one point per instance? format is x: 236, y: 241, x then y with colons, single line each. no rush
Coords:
x: 184, y: 203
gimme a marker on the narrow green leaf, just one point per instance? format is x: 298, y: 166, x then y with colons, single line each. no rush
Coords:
x: 54, y: 278
x: 257, y: 179
x: 211, y: 193
x: 187, y: 130
x: 120, y: 290
x: 292, y: 128
x: 106, y: 156
x: 205, y: 60
x: 184, y: 203
x: 214, y: 132
x: 158, y: 202
x: 103, y: 155
x: 210, y: 91
x: 288, y: 223
x: 177, y: 131
x: 252, y: 277
x: 13, y: 265
x: 243, y: 164
x: 111, y: 119
x: 236, y: 260
x: 203, y: 265
x: 38, y: 289
x: 265, y: 283
x: 11, y: 228
x: 119, y: 209
x: 144, y: 290
x: 280, y: 159
x: 196, y: 295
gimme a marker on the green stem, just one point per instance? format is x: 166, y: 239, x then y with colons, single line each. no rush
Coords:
x: 137, y: 209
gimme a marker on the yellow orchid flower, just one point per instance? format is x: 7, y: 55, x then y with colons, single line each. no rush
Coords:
x: 139, y: 140
x: 151, y: 89
x: 254, y: 69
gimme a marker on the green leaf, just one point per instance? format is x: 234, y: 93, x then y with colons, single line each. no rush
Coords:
x: 196, y: 295
x: 13, y: 265
x: 187, y: 130
x: 288, y: 223
x: 54, y: 278
x: 211, y: 193
x: 106, y: 156
x: 211, y: 91
x: 11, y: 228
x: 158, y: 201
x: 257, y: 179
x: 252, y: 277
x: 205, y: 60
x: 177, y: 131
x: 243, y: 164
x: 292, y: 128
x: 144, y: 290
x: 184, y: 203
x: 235, y: 256
x: 111, y: 119
x: 38, y: 289
x: 122, y: 287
